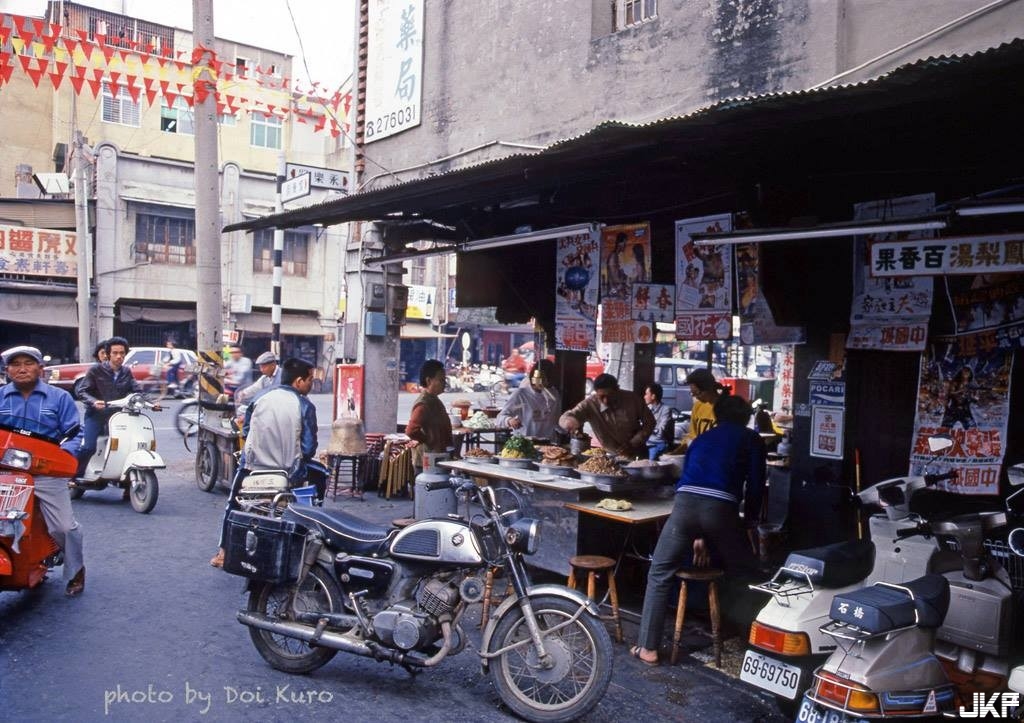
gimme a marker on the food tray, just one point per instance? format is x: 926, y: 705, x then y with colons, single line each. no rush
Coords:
x: 602, y: 479
x: 557, y: 469
x: 515, y: 462
x: 654, y: 472
x: 491, y: 459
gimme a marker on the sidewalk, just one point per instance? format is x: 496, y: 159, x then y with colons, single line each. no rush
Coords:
x: 692, y: 690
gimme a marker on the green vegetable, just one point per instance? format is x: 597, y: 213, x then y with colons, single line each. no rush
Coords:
x: 522, y: 445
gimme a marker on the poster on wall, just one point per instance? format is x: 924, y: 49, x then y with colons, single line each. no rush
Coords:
x: 348, y: 390
x: 967, y: 398
x: 757, y: 325
x: 577, y: 260
x: 650, y: 304
x: 703, y: 281
x: 890, y: 313
x: 625, y: 260
x: 992, y: 307
x: 827, y: 431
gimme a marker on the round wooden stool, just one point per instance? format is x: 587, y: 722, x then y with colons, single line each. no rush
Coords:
x: 710, y: 575
x: 595, y: 565
x: 489, y: 598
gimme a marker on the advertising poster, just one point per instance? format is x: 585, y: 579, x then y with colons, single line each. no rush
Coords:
x: 967, y: 398
x: 348, y: 390
x: 827, y: 431
x: 991, y: 306
x: 625, y: 260
x: 576, y: 291
x: 703, y: 281
x: 889, y: 313
x: 649, y: 304
x: 757, y: 325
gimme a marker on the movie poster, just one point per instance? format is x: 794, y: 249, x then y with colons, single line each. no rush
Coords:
x: 577, y: 260
x: 703, y: 281
x: 968, y: 398
x: 625, y: 260
x: 348, y: 390
x: 757, y: 325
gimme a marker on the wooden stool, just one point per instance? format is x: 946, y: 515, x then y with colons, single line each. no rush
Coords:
x: 489, y: 599
x: 710, y: 575
x: 594, y: 565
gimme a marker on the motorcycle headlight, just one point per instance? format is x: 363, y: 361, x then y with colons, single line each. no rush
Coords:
x: 524, y: 535
x: 16, y: 459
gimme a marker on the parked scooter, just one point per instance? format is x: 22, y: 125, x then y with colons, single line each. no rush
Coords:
x: 786, y: 643
x: 325, y: 581
x: 26, y: 549
x: 126, y: 455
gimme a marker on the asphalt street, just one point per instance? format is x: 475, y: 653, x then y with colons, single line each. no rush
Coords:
x: 154, y: 636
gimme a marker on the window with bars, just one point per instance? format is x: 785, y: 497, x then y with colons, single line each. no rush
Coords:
x: 634, y: 12
x: 121, y: 109
x: 294, y: 257
x: 164, y: 239
x: 177, y: 118
x: 265, y: 130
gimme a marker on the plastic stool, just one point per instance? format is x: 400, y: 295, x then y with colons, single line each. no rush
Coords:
x: 489, y: 598
x: 594, y: 565
x: 710, y: 575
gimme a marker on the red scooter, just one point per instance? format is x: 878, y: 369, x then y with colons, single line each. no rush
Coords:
x: 26, y: 549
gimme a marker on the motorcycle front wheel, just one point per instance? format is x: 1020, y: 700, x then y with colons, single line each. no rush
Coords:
x: 582, y: 656
x: 143, y: 490
x: 319, y: 592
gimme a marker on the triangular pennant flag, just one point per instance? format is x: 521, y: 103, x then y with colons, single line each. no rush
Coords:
x: 87, y: 48
x: 168, y: 96
x: 134, y: 93
x: 83, y: 35
x: 56, y: 79
x: 151, y: 96
x: 25, y: 61
x: 94, y: 86
x: 201, y: 91
x: 101, y: 40
x: 27, y: 33
x: 48, y: 41
x: 108, y: 50
x: 189, y: 100
x: 69, y: 45
x: 125, y: 54
x: 76, y: 82
x: 38, y: 25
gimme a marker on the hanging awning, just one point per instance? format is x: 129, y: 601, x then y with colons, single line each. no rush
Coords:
x: 49, y: 310
x: 155, y: 313
x: 291, y: 324
x: 412, y: 330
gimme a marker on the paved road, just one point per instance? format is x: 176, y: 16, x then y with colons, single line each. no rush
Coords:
x: 154, y: 638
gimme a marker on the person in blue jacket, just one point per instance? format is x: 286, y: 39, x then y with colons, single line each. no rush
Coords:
x: 724, y: 467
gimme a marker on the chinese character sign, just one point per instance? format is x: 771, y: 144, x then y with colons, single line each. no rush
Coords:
x: 967, y: 398
x: 703, y: 281
x: 394, y: 67
x: 982, y: 255
x: 577, y: 259
x: 649, y: 304
x: 38, y: 252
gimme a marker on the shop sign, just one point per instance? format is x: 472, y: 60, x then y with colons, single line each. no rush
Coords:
x: 827, y: 431
x: 394, y: 68
x: 950, y: 256
x: 829, y: 394
x: 38, y: 252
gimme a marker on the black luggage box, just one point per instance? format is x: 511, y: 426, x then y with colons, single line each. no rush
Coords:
x: 263, y: 548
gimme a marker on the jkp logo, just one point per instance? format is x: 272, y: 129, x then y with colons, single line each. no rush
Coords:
x: 999, y: 705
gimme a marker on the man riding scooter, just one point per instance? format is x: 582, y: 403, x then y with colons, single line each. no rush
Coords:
x: 52, y: 412
x: 104, y: 382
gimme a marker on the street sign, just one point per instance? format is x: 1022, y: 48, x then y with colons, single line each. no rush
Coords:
x: 293, y: 188
x: 329, y: 178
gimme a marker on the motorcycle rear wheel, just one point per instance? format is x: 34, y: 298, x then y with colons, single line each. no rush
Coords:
x: 144, y: 495
x: 319, y: 592
x: 207, y: 466
x: 583, y: 662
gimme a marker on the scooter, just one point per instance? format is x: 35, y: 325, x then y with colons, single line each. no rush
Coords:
x: 126, y: 456
x: 27, y: 551
x: 786, y: 644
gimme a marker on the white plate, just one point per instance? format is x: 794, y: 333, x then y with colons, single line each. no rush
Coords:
x: 770, y: 674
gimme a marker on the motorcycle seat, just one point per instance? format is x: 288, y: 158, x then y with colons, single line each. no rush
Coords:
x: 831, y: 566
x: 341, y: 530
x: 880, y: 608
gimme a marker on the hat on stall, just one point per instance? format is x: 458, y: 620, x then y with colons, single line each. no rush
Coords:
x: 22, y: 351
x: 703, y: 379
x: 267, y: 357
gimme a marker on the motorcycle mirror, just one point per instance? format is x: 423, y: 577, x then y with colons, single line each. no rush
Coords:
x: 1015, y: 540
x: 1016, y: 474
x: 939, y: 443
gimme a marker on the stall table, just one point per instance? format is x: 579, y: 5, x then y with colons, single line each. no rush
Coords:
x: 493, y: 439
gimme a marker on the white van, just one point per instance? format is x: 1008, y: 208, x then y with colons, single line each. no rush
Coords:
x: 671, y: 375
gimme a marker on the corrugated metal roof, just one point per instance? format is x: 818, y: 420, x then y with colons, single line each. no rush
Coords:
x: 496, y: 179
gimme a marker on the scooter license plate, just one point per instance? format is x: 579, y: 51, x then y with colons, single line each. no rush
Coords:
x: 770, y: 674
x: 811, y: 712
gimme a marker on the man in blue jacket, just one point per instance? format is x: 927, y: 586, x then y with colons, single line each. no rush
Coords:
x: 28, y: 401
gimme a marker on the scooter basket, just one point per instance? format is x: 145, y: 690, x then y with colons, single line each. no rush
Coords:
x: 263, y: 548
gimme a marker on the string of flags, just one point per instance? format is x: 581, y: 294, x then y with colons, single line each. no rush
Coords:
x: 148, y: 71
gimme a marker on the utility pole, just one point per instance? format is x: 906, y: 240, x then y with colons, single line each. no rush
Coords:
x: 278, y: 275
x: 209, y: 300
x: 84, y: 248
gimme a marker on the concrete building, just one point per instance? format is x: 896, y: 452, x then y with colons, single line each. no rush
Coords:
x: 126, y: 84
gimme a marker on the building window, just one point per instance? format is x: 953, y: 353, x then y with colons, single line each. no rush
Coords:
x: 121, y: 109
x: 634, y: 12
x: 176, y: 118
x: 266, y: 130
x: 163, y: 239
x: 294, y: 258
x: 227, y: 119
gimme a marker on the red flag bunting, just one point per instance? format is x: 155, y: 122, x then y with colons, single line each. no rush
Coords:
x: 69, y: 45
x: 108, y: 50
x: 76, y: 82
x: 134, y: 93
x: 56, y: 79
x: 25, y: 61
x: 94, y: 86
x: 151, y: 95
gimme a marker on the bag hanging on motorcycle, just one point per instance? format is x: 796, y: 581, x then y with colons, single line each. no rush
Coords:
x: 263, y: 548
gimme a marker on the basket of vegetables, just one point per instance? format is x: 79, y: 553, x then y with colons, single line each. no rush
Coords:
x: 518, y: 452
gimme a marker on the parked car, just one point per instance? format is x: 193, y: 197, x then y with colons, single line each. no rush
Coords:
x: 140, y: 360
x: 671, y: 375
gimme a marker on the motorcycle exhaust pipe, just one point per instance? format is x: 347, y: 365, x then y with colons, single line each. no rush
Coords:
x: 305, y: 633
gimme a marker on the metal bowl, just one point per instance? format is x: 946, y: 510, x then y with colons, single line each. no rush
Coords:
x: 515, y: 462
x: 598, y: 480
x: 651, y: 472
x: 557, y: 469
x: 489, y: 459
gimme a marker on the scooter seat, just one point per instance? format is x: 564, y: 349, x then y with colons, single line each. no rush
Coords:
x: 881, y: 608
x: 341, y: 530
x: 835, y: 565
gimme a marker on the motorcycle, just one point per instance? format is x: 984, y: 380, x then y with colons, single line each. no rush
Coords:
x: 786, y: 643
x: 27, y: 551
x: 126, y: 455
x: 323, y: 581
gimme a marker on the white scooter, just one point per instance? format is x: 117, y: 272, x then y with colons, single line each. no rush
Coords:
x: 786, y: 643
x: 126, y: 455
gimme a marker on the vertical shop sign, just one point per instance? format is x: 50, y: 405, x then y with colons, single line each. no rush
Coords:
x: 348, y: 390
x: 968, y: 398
x: 577, y: 259
x: 889, y: 314
x: 394, y: 67
x: 783, y: 400
x: 625, y: 260
x: 703, y: 281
